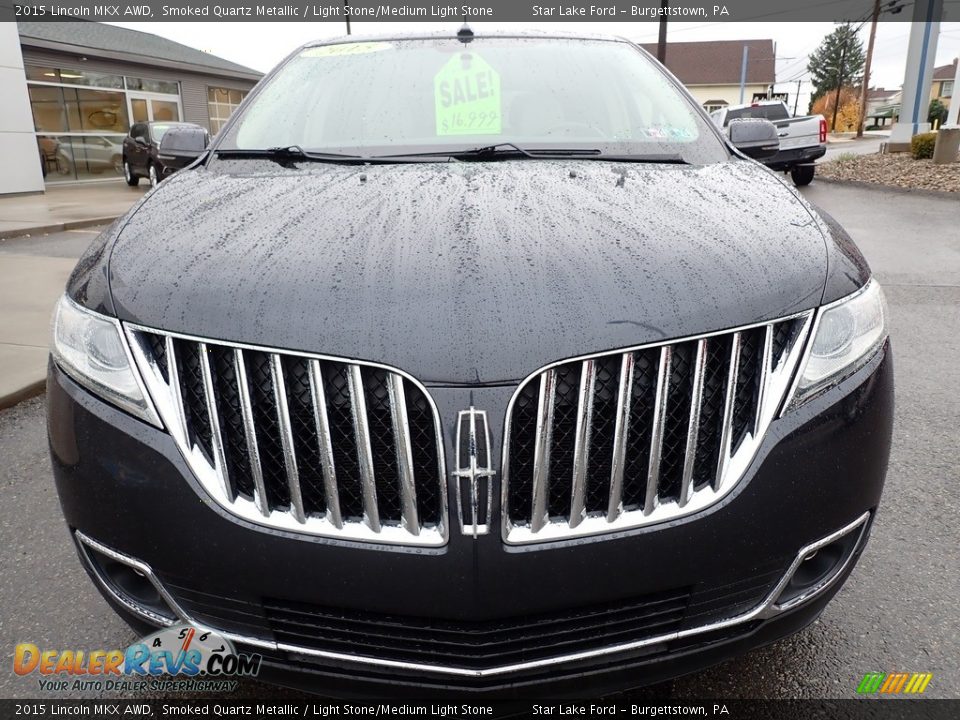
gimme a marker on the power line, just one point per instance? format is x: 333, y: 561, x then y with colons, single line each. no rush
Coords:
x: 796, y: 77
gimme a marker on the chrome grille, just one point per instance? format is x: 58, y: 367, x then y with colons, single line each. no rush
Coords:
x: 636, y: 437
x: 305, y: 443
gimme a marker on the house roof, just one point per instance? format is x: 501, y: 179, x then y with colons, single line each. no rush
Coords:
x: 945, y: 72
x: 719, y: 62
x: 117, y: 43
x: 881, y: 94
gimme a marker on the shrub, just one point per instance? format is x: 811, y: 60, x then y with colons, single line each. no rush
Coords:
x: 848, y: 114
x: 937, y: 114
x: 921, y: 146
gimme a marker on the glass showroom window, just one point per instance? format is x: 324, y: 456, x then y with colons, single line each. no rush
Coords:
x: 74, y: 77
x: 221, y: 103
x: 79, y: 129
x: 167, y: 87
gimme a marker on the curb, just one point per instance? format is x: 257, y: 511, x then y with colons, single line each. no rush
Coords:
x: 943, y: 194
x: 25, y: 393
x: 57, y: 227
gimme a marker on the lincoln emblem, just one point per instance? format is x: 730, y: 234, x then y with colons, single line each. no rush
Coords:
x: 473, y: 473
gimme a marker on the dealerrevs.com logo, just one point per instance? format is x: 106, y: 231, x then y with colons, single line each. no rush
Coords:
x: 197, y: 658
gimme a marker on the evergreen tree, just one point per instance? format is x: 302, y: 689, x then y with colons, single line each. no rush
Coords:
x: 839, y: 59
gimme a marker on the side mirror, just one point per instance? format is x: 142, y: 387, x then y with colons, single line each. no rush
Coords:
x: 140, y: 140
x: 754, y: 137
x: 183, y: 144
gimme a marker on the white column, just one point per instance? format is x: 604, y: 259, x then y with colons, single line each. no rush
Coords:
x: 955, y: 100
x: 921, y: 54
x: 18, y: 143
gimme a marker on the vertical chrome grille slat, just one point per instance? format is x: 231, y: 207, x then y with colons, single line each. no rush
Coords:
x: 361, y: 429
x: 286, y: 437
x: 682, y: 422
x: 544, y: 438
x: 322, y: 425
x: 656, y: 434
x: 729, y: 398
x: 175, y: 390
x: 621, y: 429
x: 216, y: 437
x: 693, y: 426
x: 581, y: 448
x: 250, y: 433
x: 401, y: 439
x: 766, y: 362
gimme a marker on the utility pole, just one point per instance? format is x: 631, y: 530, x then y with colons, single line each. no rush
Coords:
x: 865, y: 85
x: 346, y: 14
x: 796, y: 99
x: 743, y: 72
x: 836, y: 101
x: 662, y: 40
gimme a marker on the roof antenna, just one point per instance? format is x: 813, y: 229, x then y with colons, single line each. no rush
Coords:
x: 465, y: 34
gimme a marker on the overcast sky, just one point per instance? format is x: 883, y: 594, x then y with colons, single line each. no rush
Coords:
x: 263, y: 45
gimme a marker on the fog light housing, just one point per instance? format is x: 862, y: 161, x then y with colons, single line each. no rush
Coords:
x: 819, y: 565
x: 128, y: 581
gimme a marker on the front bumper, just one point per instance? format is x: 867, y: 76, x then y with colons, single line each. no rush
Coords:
x: 124, y: 485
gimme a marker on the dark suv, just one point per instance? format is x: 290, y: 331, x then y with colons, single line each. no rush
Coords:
x: 141, y: 151
x: 479, y: 362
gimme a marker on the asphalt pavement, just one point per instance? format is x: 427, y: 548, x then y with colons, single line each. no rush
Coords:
x: 864, y: 146
x: 33, y: 272
x: 898, y: 611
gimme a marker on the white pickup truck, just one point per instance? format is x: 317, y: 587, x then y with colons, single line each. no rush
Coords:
x: 803, y: 139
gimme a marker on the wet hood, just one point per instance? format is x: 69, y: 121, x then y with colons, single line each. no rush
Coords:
x: 466, y: 272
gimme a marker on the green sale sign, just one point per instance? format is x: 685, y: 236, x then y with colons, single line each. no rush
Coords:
x: 467, y: 97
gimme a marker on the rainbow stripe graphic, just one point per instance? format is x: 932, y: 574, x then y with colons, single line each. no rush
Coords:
x: 894, y: 683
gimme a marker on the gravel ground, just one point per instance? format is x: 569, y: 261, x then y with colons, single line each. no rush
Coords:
x: 896, y: 170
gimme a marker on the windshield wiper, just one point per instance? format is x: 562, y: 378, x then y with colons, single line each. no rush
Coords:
x: 289, y: 154
x: 502, y: 150
x: 665, y: 159
x: 508, y: 150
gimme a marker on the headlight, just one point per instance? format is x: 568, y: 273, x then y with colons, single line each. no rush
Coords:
x: 846, y: 335
x: 90, y: 349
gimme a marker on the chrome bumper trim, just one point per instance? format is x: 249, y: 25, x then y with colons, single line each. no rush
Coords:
x: 766, y: 609
x: 84, y: 543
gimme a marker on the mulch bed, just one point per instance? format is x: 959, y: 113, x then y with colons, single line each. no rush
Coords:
x: 895, y: 170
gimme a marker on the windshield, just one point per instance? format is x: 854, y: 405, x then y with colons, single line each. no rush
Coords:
x: 393, y: 97
x: 765, y: 112
x: 159, y: 130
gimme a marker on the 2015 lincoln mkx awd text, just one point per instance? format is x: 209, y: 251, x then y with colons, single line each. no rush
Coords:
x: 473, y: 361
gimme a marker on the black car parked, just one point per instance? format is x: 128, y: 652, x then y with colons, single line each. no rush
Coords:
x: 481, y: 362
x: 141, y: 151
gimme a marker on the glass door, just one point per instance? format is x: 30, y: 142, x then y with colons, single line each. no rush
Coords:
x: 139, y: 110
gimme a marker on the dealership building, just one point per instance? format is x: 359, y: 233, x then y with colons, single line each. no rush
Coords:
x: 72, y: 90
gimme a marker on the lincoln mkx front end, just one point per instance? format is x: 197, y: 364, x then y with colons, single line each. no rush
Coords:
x: 553, y: 419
